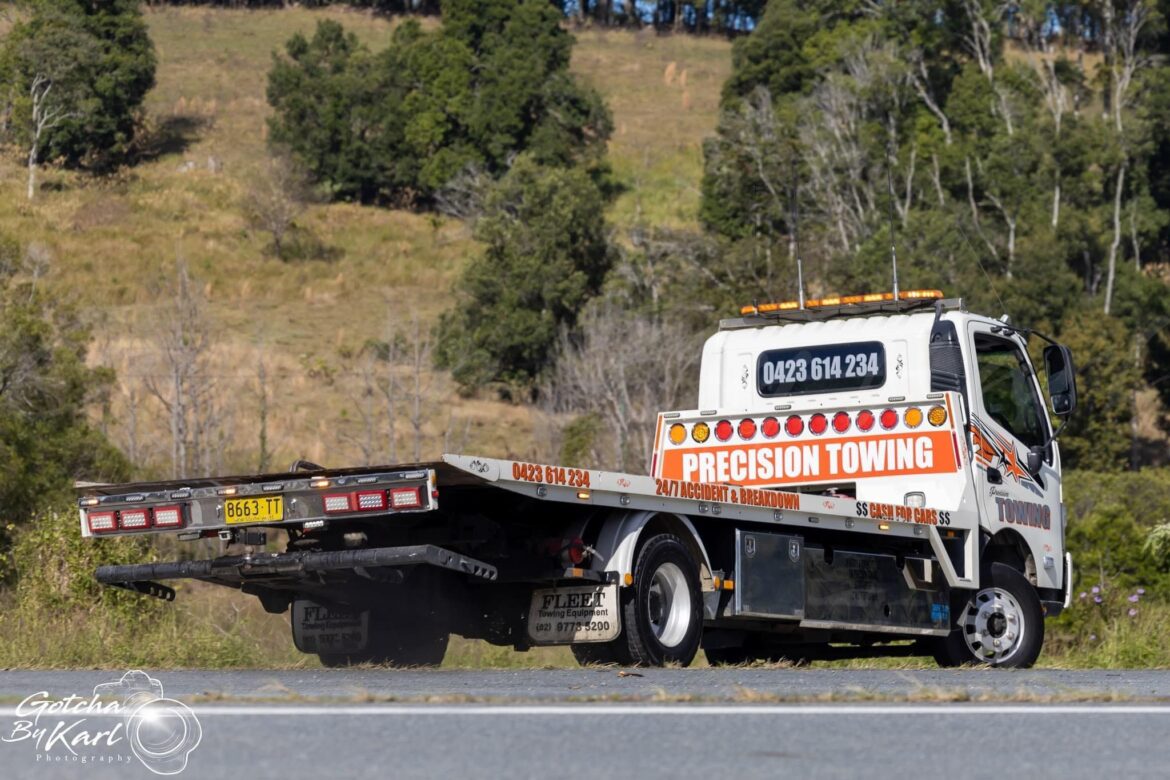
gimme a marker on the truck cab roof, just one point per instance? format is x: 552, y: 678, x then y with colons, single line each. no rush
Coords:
x: 838, y: 354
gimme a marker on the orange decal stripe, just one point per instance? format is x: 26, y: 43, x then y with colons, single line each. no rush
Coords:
x: 776, y: 463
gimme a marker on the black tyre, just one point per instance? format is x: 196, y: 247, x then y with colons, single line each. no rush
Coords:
x: 396, y: 643
x: 595, y: 654
x: 662, y: 613
x: 1000, y: 625
x: 728, y: 656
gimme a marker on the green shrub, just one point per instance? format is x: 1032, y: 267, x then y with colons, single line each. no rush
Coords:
x: 397, y: 125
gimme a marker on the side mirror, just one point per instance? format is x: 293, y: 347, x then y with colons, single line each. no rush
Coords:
x: 1035, y: 460
x: 1062, y: 379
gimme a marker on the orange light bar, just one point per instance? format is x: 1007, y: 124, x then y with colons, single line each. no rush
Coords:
x: 842, y: 300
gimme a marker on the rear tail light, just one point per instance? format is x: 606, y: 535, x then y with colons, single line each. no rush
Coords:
x: 101, y: 522
x: 889, y: 419
x: 865, y: 420
x: 701, y: 432
x: 678, y: 433
x: 770, y: 427
x: 338, y: 502
x: 841, y: 422
x: 747, y: 428
x: 573, y: 553
x: 936, y: 416
x: 794, y: 426
x: 168, y: 517
x: 133, y: 519
x: 723, y: 430
x: 913, y: 417
x: 371, y: 500
x: 406, y: 498
x: 818, y: 424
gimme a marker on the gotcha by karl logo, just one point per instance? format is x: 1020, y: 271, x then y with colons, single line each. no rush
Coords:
x: 123, y: 720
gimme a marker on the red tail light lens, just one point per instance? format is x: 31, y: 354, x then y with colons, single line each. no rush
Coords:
x: 338, y: 502
x: 133, y: 519
x: 818, y: 424
x: 747, y: 428
x: 168, y: 517
x: 101, y: 522
x: 406, y: 498
x: 841, y: 422
x: 371, y: 500
x: 573, y: 552
x: 770, y: 427
x: 794, y: 426
x: 865, y: 420
x: 889, y: 419
x: 723, y: 430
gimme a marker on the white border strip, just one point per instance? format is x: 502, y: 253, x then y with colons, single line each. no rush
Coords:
x: 595, y: 710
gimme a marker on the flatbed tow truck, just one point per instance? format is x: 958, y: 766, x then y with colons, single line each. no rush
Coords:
x: 867, y: 475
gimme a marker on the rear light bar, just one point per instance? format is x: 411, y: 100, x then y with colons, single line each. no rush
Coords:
x: 137, y: 519
x: 102, y: 522
x: 406, y: 498
x: 371, y: 500
x: 338, y: 502
x: 168, y: 517
x: 133, y: 519
x: 374, y: 500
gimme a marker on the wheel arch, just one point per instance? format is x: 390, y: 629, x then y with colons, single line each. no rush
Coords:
x: 1009, y: 547
x: 622, y: 533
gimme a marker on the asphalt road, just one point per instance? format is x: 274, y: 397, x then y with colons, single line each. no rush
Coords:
x: 536, y: 724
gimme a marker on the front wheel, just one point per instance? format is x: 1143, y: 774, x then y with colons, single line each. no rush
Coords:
x: 1001, y: 625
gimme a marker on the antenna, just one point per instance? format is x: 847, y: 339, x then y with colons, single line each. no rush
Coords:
x: 794, y: 215
x: 893, y: 243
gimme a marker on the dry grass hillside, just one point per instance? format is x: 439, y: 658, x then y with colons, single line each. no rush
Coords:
x: 113, y: 244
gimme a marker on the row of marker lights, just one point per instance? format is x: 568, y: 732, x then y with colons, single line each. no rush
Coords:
x: 135, y: 519
x: 373, y: 500
x: 818, y: 424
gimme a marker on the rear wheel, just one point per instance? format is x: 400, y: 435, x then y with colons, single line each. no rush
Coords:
x: 396, y: 643
x: 595, y: 654
x: 1001, y: 625
x: 728, y: 656
x: 662, y: 613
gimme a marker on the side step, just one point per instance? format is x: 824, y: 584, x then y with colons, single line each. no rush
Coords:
x: 237, y: 570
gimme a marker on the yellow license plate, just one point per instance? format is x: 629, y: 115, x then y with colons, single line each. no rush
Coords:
x: 254, y: 509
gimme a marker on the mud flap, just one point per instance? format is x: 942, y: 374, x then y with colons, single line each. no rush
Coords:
x: 318, y: 628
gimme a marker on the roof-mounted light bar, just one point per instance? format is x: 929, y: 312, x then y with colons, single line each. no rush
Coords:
x: 842, y: 300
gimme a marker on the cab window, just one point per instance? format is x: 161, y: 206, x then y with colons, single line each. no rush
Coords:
x: 1009, y: 395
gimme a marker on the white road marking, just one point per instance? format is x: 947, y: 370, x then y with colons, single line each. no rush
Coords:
x: 584, y: 709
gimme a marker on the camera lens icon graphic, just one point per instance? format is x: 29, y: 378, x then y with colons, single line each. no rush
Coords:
x: 162, y: 733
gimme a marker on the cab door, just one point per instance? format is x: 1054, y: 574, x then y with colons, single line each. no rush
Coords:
x: 1008, y: 418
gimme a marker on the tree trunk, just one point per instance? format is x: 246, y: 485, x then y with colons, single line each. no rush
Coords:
x: 1056, y: 203
x: 32, y: 171
x: 1111, y: 271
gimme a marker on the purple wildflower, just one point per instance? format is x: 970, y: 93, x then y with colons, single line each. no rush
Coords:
x: 1092, y: 637
x: 1096, y: 589
x: 1132, y: 612
x: 1141, y: 591
x: 1084, y: 595
x: 1134, y: 598
x: 1097, y: 599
